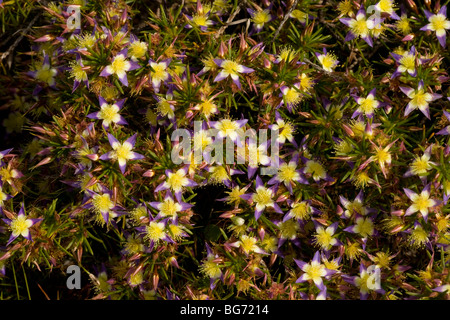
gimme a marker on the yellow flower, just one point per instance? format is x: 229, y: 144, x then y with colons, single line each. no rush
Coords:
x: 421, y: 165
x: 328, y: 60
x: 364, y: 227
x: 20, y: 225
x: 137, y: 49
x: 263, y: 198
x: 316, y: 169
x: 361, y: 26
x: 211, y: 268
x: 156, y: 231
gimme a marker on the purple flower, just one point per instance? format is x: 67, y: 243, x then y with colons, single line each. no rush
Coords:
x: 103, y: 205
x: 359, y: 27
x: 232, y: 69
x: 176, y: 181
x: 288, y: 174
x: 79, y: 74
x: 419, y: 99
x: 438, y: 22
x: 109, y: 113
x: 169, y: 208
x: 263, y: 197
x: 122, y: 151
x: 159, y: 73
x: 20, y: 225
x: 367, y: 105
x: 259, y: 18
x: 314, y: 271
x: 119, y: 66
x: 421, y: 202
x: 369, y: 279
x: 406, y: 61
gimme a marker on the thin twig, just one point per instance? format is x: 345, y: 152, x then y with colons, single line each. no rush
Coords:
x: 230, y: 19
x: 294, y: 5
x: 16, y: 43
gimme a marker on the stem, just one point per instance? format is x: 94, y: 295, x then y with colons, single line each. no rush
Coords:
x: 26, y: 282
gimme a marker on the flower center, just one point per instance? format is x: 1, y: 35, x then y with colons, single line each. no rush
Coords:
x: 315, y: 270
x: 382, y: 156
x: 403, y: 25
x: 119, y: 64
x: 300, y: 210
x: 263, y: 197
x: 421, y: 98
x: 292, y: 96
x: 207, y: 107
x: 316, y: 169
x: 123, y: 152
x: 102, y: 203
x: 227, y: 124
x: 248, y: 243
x: 420, y: 166
x: 323, y: 238
x: 20, y: 225
x: 108, y: 113
x: 159, y: 72
x: 45, y: 74
x: 287, y: 54
x: 164, y: 108
x: 200, y: 20
x: 408, y: 61
x: 360, y: 27
x: 176, y: 181
x: 423, y: 202
x: 328, y: 62
x: 287, y: 173
x: 5, y: 174
x: 261, y: 17
x: 230, y: 67
x: 386, y: 6
x: 218, y: 174
x: 438, y: 22
x: 138, y: 49
x: 235, y: 195
x: 211, y: 269
x: 176, y: 231
x: 169, y: 208
x: 355, y: 206
x: 300, y: 15
x: 78, y: 73
x: 364, y: 227
x: 155, y: 231
x: 419, y: 236
x: 289, y: 229
x: 368, y: 105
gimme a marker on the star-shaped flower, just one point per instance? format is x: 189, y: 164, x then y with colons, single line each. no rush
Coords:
x: 122, y: 151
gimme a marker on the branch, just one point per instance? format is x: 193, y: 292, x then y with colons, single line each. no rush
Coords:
x: 294, y: 5
x: 230, y: 19
x: 16, y: 43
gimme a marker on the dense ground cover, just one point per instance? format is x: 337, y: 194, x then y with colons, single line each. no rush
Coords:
x: 94, y: 92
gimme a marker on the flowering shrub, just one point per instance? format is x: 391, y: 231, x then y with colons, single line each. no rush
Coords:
x: 345, y: 198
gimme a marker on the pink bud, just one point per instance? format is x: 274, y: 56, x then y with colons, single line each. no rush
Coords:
x: 222, y: 49
x: 261, y: 233
x: 173, y: 262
